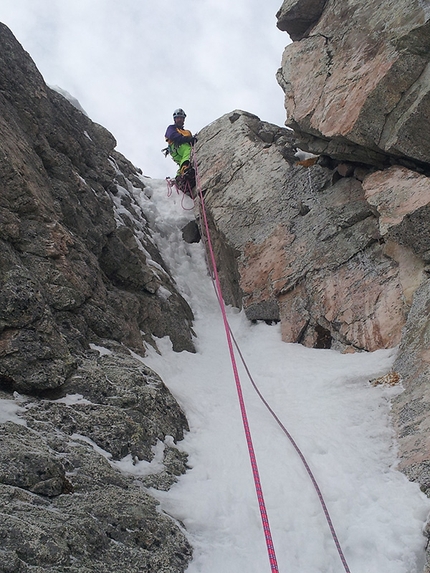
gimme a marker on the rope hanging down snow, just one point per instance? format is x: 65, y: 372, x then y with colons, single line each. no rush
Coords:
x: 302, y: 457
x: 252, y: 456
x: 230, y: 338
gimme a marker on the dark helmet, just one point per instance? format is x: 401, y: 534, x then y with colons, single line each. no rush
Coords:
x: 179, y: 113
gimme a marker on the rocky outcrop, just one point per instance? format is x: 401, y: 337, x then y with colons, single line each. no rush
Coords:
x: 324, y: 248
x: 77, y: 259
x: 66, y: 505
x: 83, y: 291
x: 411, y: 408
x: 356, y: 80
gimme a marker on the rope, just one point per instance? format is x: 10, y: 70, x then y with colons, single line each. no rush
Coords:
x: 302, y: 457
x: 230, y: 338
x: 299, y: 452
x: 252, y: 456
x: 171, y: 184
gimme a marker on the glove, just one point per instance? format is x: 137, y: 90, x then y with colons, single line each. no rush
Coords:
x: 191, y: 140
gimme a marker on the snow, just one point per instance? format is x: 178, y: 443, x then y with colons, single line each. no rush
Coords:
x: 9, y: 410
x: 338, y: 419
x: 72, y: 100
x: 141, y: 467
x: 101, y: 350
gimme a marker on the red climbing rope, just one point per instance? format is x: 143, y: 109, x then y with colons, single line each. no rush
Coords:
x: 252, y: 456
x: 230, y: 338
x: 172, y: 185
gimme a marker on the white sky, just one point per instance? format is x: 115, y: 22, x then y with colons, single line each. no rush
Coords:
x: 130, y: 63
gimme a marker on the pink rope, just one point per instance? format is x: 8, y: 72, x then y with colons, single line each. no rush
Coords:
x: 252, y: 456
x: 171, y: 184
x: 303, y: 459
x: 230, y: 337
x: 299, y: 452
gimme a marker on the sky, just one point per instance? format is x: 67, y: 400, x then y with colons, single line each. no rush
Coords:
x: 131, y: 63
x: 339, y: 420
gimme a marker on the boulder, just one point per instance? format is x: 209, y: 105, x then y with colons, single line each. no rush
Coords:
x: 298, y: 17
x: 107, y: 530
x: 357, y: 78
x: 304, y: 243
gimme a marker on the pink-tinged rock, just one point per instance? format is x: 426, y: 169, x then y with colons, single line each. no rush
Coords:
x: 359, y: 76
x: 292, y: 246
x: 262, y: 266
x: 362, y: 297
x: 396, y: 192
x: 411, y: 269
x: 330, y: 104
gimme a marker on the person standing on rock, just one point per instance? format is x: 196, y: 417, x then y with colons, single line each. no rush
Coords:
x: 180, y: 141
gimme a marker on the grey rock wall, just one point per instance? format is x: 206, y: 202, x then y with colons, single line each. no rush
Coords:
x: 77, y: 259
x: 66, y: 506
x: 79, y: 271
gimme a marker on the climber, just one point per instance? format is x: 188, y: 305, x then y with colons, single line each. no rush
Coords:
x: 179, y: 142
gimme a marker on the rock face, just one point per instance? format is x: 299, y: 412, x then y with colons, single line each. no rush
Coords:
x: 324, y: 249
x: 357, y: 81
x: 357, y: 88
x: 83, y: 291
x: 77, y: 260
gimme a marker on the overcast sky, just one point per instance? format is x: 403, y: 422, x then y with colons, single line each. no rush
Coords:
x: 130, y: 63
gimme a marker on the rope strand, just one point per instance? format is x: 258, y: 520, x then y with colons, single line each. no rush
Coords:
x: 252, y: 456
x: 303, y: 459
x: 230, y: 340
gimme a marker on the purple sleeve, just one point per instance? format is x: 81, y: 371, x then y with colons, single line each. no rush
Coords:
x: 173, y: 135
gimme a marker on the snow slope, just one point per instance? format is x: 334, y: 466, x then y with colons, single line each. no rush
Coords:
x: 339, y: 420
